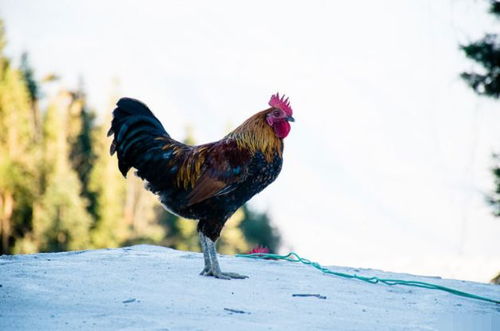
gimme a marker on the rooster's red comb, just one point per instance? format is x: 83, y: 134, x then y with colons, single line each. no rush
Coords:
x: 281, y: 103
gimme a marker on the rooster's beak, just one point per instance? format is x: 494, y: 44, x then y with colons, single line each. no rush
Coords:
x: 290, y: 119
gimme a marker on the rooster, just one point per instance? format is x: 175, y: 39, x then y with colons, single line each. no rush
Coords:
x: 207, y: 182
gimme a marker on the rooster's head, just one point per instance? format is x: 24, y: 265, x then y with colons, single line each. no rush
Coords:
x: 279, y: 115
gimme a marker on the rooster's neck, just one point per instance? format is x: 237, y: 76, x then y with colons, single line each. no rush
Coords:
x: 257, y: 136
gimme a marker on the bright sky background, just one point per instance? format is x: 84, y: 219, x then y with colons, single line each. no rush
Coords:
x: 388, y: 161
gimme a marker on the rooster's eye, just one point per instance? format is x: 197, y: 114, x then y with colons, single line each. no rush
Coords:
x: 276, y: 113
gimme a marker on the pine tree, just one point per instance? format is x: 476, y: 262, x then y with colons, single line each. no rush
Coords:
x: 485, y: 52
x: 29, y: 77
x: 494, y: 198
x: 34, y: 94
x: 16, y: 164
x: 108, y: 189
x: 61, y: 221
x: 486, y: 82
x: 80, y: 126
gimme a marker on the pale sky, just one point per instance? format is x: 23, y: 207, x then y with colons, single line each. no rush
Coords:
x: 388, y: 161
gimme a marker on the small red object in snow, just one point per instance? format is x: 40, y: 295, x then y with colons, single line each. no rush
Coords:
x: 259, y: 249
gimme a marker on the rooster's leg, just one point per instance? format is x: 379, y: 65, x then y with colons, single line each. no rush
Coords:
x: 206, y: 256
x: 212, y: 267
x: 215, y: 270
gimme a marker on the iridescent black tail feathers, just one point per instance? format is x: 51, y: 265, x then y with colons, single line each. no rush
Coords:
x: 135, y: 130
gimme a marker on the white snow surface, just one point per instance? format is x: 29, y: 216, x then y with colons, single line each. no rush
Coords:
x: 155, y: 288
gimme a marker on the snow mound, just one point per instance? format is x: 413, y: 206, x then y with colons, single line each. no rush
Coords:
x: 157, y: 288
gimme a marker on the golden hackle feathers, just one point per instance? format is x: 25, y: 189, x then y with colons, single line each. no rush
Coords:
x: 256, y: 135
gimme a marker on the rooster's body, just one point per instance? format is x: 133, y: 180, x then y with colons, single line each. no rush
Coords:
x: 206, y: 182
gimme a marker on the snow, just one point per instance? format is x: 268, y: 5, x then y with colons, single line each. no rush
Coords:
x: 157, y: 288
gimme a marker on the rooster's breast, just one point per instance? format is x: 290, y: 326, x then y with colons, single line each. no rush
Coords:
x: 261, y: 173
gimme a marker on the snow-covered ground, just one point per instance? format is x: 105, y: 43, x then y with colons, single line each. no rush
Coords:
x: 156, y: 288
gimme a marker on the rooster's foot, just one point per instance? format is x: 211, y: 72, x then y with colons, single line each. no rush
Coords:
x: 204, y: 272
x: 211, y: 263
x: 222, y: 275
